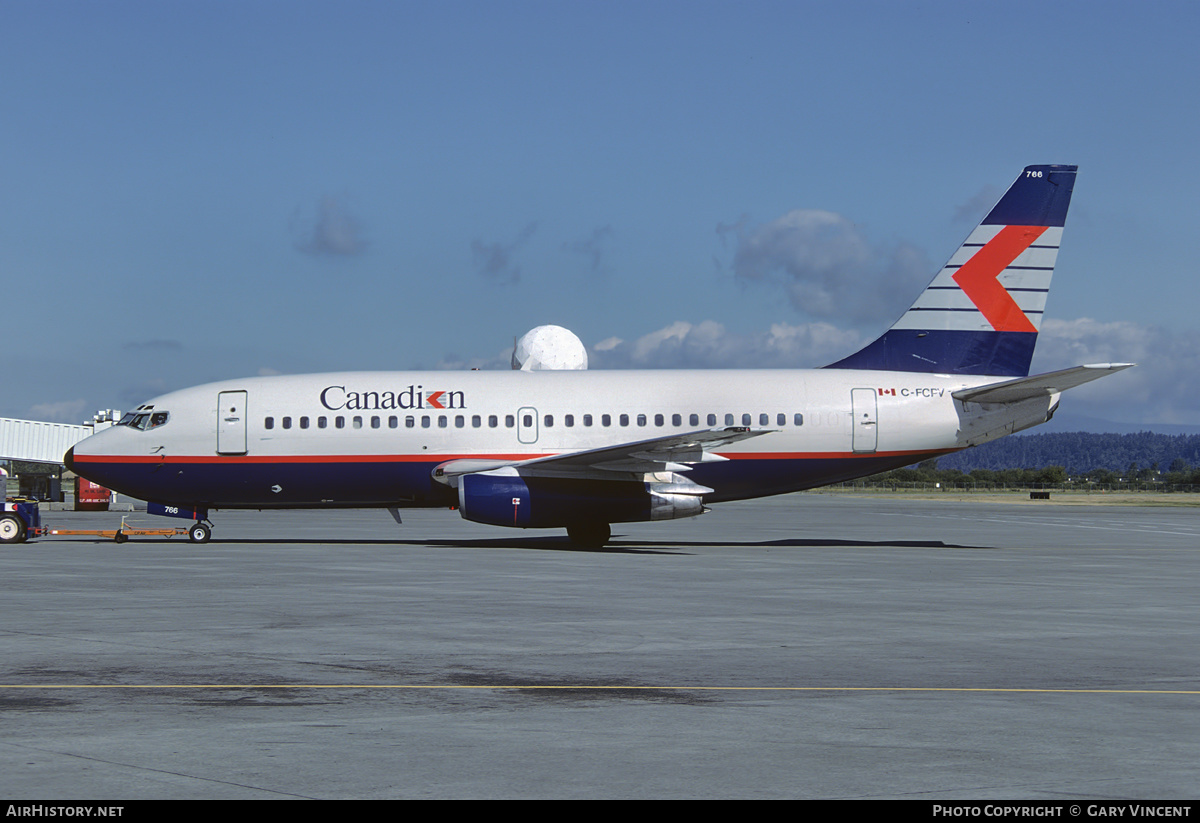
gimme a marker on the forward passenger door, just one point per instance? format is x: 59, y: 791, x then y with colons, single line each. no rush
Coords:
x: 231, y: 422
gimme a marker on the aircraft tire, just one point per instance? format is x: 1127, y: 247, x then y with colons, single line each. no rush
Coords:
x: 589, y: 535
x: 12, y: 530
x: 199, y: 533
x: 120, y: 537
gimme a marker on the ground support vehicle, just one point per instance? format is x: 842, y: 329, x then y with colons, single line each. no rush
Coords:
x: 20, y: 520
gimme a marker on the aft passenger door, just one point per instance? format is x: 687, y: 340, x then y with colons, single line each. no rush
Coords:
x: 864, y: 411
x: 231, y: 422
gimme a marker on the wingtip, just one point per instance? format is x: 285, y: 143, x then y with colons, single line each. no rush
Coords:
x: 1109, y: 366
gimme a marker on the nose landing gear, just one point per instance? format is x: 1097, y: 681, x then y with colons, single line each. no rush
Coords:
x: 200, y: 532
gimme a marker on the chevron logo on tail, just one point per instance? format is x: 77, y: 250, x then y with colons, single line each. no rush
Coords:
x: 978, y: 277
x: 982, y: 311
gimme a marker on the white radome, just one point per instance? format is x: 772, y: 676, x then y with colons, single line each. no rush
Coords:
x: 547, y: 348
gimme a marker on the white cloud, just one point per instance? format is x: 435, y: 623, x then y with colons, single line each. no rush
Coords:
x: 333, y: 232
x: 1164, y: 388
x: 709, y: 345
x: 828, y: 267
x: 64, y: 411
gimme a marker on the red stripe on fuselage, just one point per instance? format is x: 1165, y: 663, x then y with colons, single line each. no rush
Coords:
x: 442, y: 458
x: 300, y: 458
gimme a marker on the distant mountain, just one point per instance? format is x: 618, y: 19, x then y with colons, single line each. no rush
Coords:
x: 1065, y: 421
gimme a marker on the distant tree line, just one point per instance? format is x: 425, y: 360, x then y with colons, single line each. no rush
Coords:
x: 1082, y: 452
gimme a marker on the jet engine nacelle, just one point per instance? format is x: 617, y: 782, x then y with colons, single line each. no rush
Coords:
x: 536, y: 503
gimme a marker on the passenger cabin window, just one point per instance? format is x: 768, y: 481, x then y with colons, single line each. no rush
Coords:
x: 269, y: 423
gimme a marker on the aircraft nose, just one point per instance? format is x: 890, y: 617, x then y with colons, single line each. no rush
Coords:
x: 69, y: 459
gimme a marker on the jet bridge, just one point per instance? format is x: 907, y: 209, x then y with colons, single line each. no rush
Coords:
x: 39, y: 441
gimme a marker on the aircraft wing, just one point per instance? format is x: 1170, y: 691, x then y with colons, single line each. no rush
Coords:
x: 1040, y: 385
x: 671, y: 453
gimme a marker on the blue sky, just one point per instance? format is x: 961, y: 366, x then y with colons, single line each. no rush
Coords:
x: 196, y: 191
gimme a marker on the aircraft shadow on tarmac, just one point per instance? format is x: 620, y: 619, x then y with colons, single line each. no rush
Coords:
x: 561, y: 543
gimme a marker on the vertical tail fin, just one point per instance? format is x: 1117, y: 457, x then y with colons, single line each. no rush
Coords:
x: 981, y: 313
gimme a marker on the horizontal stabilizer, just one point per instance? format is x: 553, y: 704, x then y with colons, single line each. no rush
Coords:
x: 1040, y: 385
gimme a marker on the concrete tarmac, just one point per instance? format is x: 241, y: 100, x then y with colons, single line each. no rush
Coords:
x: 809, y: 646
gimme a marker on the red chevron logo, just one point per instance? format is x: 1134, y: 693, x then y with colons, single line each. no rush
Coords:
x: 978, y: 277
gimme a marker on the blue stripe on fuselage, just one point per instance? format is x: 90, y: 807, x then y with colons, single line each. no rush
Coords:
x: 233, y: 484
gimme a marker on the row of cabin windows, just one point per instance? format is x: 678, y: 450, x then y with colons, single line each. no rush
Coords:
x: 510, y: 420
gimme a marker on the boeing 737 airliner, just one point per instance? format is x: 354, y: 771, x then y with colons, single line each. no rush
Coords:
x: 585, y: 449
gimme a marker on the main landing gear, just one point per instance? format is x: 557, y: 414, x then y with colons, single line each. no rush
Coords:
x: 589, y: 535
x: 200, y: 532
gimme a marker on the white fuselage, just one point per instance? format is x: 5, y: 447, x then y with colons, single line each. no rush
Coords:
x: 374, y: 438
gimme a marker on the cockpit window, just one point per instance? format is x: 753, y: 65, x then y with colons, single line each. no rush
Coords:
x: 144, y: 420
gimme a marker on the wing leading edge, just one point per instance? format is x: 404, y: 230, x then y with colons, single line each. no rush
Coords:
x: 672, y: 453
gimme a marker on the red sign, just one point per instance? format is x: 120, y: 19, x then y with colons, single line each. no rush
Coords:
x: 90, y: 494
